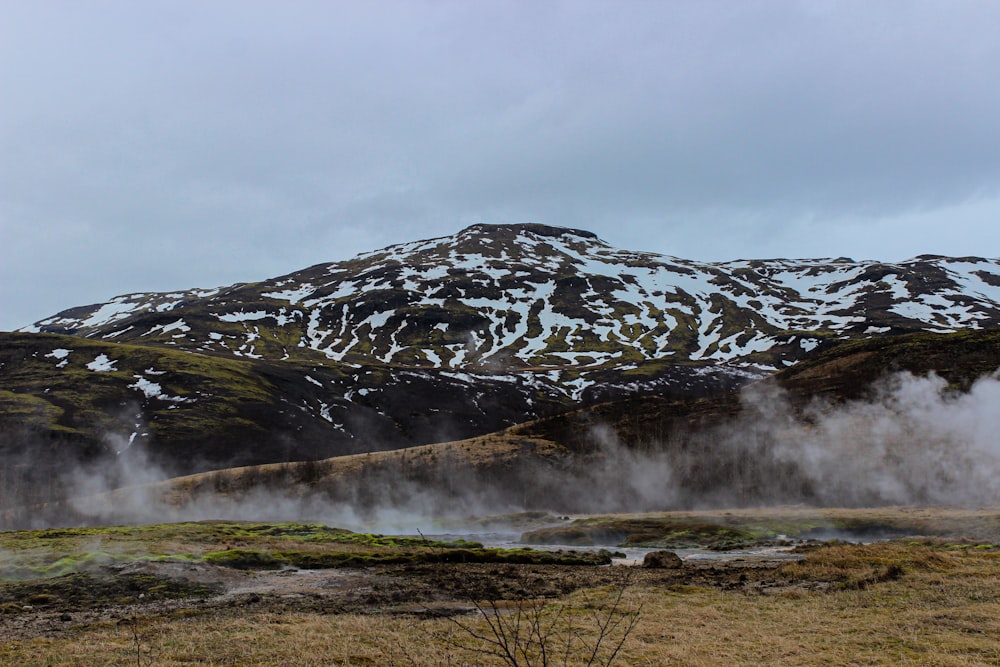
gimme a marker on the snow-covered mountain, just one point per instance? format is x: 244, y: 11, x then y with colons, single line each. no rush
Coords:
x: 438, y: 340
x: 510, y: 297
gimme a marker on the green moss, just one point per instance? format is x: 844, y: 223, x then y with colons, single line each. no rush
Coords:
x: 21, y: 406
x: 660, y: 532
x: 69, y: 399
x: 242, y: 545
x: 78, y: 562
x: 534, y: 327
x: 244, y: 559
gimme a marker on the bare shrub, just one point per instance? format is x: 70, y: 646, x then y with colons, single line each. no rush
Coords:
x: 533, y: 633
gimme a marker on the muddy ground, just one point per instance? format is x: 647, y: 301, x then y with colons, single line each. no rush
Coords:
x: 55, y: 607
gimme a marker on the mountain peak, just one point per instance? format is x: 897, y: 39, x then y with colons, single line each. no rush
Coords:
x: 537, y: 229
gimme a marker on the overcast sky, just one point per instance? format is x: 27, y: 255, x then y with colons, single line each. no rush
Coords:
x: 151, y: 146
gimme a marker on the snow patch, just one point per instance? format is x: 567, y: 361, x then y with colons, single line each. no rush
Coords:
x: 808, y: 344
x: 61, y: 354
x: 117, y: 309
x: 242, y: 316
x: 178, y: 325
x: 293, y: 296
x: 101, y: 364
x: 115, y: 334
x: 154, y: 390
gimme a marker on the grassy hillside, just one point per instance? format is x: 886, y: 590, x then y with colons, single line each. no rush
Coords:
x: 72, y: 407
x: 655, y: 452
x: 850, y: 369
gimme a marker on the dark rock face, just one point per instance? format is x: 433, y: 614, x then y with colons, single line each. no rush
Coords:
x: 662, y: 560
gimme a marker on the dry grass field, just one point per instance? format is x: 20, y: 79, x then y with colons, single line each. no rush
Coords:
x: 918, y: 600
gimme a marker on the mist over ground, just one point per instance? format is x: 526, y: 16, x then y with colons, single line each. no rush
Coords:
x: 913, y: 442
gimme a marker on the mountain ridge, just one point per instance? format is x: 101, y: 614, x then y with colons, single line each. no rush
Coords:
x: 441, y: 339
x: 520, y: 297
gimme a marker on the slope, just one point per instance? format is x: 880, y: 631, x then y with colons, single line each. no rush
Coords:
x: 70, y: 404
x: 738, y: 448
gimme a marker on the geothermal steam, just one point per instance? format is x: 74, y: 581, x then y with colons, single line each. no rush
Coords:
x: 915, y: 442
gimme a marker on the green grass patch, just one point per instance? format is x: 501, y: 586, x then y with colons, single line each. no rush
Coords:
x: 242, y: 545
x: 652, y: 532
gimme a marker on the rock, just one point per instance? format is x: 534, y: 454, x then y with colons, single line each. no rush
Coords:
x: 662, y: 560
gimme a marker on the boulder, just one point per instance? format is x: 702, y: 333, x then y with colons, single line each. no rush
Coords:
x: 662, y: 560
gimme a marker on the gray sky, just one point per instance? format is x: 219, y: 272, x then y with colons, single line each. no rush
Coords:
x: 159, y: 145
